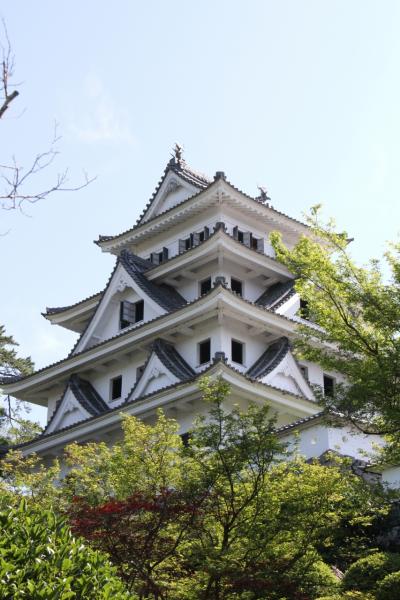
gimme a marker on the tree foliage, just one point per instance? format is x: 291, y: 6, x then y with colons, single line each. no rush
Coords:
x: 358, y: 313
x: 40, y: 559
x: 228, y: 517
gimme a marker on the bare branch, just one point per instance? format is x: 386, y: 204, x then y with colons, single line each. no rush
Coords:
x: 15, y: 177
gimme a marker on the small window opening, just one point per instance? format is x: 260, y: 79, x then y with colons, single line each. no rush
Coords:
x: 329, y: 385
x: 237, y: 286
x: 185, y: 437
x: 304, y: 371
x: 205, y: 286
x: 237, y: 352
x: 130, y: 313
x: 240, y: 236
x: 116, y: 387
x: 204, y: 352
x: 304, y: 309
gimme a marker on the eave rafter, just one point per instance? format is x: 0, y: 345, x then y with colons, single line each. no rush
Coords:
x: 177, y: 396
x: 219, y: 301
x: 217, y: 193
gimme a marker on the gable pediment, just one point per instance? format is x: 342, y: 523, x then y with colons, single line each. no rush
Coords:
x: 287, y: 376
x: 277, y: 367
x: 172, y: 191
x: 79, y: 401
x: 68, y: 412
x: 105, y: 321
x: 164, y: 367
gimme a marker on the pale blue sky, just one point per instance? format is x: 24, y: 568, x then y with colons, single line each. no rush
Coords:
x: 300, y: 96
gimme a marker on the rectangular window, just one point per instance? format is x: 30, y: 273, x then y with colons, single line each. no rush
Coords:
x: 204, y: 352
x: 329, y: 385
x: 237, y: 352
x: 185, y: 437
x: 205, y: 286
x: 116, y: 388
x: 240, y: 236
x: 304, y: 309
x: 130, y: 313
x: 236, y: 286
x: 304, y: 371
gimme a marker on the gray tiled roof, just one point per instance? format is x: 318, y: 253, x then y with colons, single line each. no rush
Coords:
x: 270, y: 359
x: 277, y: 294
x: 182, y: 169
x: 165, y: 295
x: 171, y: 358
x: 86, y: 395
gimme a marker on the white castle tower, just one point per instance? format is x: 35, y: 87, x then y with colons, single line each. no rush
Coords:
x: 195, y: 290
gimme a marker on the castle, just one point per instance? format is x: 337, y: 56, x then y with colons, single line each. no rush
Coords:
x: 196, y: 290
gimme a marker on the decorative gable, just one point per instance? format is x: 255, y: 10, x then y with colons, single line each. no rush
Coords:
x: 78, y: 402
x: 172, y: 191
x: 164, y: 367
x: 277, y: 367
x: 128, y: 284
x: 179, y: 182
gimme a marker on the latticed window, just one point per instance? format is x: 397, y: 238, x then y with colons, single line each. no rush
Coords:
x: 130, y: 313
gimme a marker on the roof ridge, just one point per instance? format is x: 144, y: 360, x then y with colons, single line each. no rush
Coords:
x: 139, y: 222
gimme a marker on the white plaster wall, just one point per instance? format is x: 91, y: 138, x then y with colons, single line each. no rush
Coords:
x: 101, y: 381
x: 221, y: 337
x: 175, y: 197
x: 347, y: 440
x: 313, y: 441
x: 391, y: 477
x: 109, y: 323
x: 169, y: 239
x: 252, y: 288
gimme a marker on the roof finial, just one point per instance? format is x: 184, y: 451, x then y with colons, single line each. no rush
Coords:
x: 177, y: 153
x: 263, y: 197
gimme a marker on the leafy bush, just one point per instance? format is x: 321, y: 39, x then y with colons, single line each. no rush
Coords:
x: 40, y: 559
x: 349, y: 596
x: 320, y: 579
x: 389, y: 587
x: 366, y: 572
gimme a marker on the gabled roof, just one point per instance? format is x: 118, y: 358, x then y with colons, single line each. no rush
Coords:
x: 202, y: 183
x: 178, y: 166
x: 171, y: 358
x: 85, y: 394
x: 165, y: 295
x: 270, y: 359
x: 182, y: 384
x: 287, y: 323
x: 277, y: 294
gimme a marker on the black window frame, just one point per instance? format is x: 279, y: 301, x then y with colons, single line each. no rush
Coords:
x: 238, y: 344
x: 205, y: 282
x: 234, y: 283
x: 115, y: 385
x: 137, y: 309
x: 304, y: 371
x: 329, y: 385
x: 201, y: 345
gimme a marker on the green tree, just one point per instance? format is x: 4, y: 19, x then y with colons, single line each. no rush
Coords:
x: 358, y: 311
x: 228, y: 517
x: 40, y: 559
x: 14, y: 427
